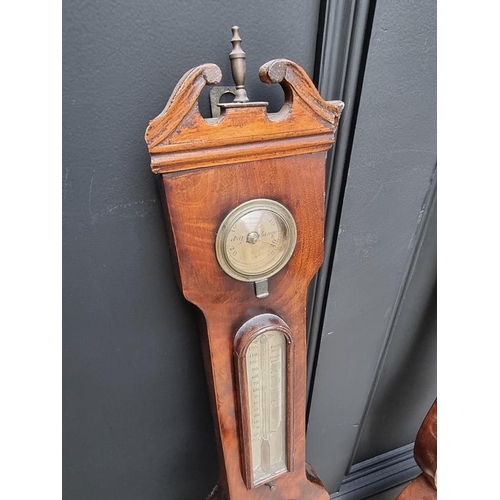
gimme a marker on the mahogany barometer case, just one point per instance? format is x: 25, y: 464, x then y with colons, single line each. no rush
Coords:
x: 244, y: 200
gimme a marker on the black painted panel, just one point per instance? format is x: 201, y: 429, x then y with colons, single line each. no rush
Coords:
x: 392, y: 162
x: 389, y: 494
x: 406, y: 388
x: 136, y: 416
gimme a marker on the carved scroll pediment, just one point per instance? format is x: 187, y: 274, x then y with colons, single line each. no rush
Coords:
x: 179, y: 138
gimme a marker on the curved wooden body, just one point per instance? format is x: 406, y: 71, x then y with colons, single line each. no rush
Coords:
x: 208, y: 168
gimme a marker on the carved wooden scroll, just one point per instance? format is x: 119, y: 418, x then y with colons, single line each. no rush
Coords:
x: 254, y: 343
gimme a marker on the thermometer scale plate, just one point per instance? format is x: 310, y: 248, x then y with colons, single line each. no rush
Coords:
x: 264, y: 352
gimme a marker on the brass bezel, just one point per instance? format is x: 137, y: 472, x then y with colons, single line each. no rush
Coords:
x: 241, y: 210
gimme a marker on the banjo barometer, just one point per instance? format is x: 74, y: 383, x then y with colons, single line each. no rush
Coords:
x: 244, y: 201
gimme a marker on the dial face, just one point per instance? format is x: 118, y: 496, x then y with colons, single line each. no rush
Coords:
x: 256, y: 240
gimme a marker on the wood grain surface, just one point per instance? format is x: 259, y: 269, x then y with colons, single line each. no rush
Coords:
x: 208, y: 168
x: 179, y: 137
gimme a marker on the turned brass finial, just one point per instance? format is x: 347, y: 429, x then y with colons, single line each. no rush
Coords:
x: 238, y: 66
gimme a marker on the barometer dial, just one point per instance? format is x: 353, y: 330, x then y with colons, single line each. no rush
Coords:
x: 256, y: 240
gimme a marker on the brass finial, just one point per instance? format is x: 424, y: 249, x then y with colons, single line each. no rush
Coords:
x: 238, y: 66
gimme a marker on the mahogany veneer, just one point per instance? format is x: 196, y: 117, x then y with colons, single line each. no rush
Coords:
x: 208, y: 167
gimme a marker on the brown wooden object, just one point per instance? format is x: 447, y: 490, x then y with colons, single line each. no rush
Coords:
x: 424, y: 487
x: 209, y: 167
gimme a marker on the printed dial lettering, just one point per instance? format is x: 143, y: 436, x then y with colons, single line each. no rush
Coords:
x: 256, y: 241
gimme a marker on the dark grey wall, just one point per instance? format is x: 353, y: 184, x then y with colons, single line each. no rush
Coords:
x: 136, y: 416
x: 136, y: 422
x: 406, y: 384
x: 391, y: 165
